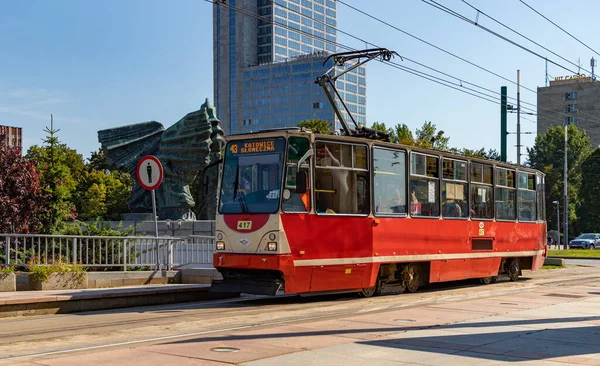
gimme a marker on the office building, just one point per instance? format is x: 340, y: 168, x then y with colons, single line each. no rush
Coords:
x: 570, y: 100
x: 265, y: 68
x: 14, y: 137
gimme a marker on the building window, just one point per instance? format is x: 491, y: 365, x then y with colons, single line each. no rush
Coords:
x: 571, y: 108
x: 318, y: 105
x: 571, y: 96
x: 569, y: 120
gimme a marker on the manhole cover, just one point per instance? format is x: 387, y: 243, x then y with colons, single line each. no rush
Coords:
x: 508, y: 303
x: 566, y: 295
x: 224, y: 349
x: 404, y: 320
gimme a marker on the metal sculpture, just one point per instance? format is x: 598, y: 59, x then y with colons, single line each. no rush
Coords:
x: 184, y: 149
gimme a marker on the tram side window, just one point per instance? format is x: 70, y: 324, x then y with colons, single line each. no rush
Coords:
x: 454, y: 188
x: 527, y: 197
x: 540, y: 188
x: 482, y: 199
x: 292, y: 201
x: 389, y: 177
x: 505, y: 194
x: 341, y: 179
x: 424, y: 185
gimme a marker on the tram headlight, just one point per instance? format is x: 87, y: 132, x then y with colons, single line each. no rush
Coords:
x: 272, y: 246
x: 220, y: 236
x: 272, y: 236
x: 220, y: 245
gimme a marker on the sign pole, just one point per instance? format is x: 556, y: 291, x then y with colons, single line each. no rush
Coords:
x: 149, y: 173
x: 155, y: 228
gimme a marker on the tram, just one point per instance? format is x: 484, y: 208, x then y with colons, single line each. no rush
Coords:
x: 310, y: 213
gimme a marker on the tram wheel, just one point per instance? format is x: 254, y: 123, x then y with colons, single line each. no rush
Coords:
x: 412, y: 277
x: 514, y: 270
x: 368, y: 291
x: 371, y: 291
x: 486, y: 280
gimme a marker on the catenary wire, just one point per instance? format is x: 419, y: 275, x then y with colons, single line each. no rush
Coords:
x: 591, y: 118
x: 445, y: 9
x: 522, y: 35
x: 421, y: 74
x: 559, y: 27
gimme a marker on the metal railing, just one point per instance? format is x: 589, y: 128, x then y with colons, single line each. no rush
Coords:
x: 106, y: 251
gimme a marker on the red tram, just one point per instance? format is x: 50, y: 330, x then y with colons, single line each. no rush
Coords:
x: 312, y: 213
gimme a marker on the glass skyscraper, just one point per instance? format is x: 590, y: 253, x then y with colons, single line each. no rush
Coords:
x: 267, y: 57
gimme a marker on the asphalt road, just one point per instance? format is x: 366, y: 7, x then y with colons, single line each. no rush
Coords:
x: 98, y: 337
x: 583, y: 262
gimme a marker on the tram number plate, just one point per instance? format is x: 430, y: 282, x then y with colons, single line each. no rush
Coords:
x: 244, y: 225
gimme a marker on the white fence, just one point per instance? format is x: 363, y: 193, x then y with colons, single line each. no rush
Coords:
x: 124, y: 252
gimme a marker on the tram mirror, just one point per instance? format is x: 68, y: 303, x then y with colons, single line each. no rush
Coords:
x: 301, y: 182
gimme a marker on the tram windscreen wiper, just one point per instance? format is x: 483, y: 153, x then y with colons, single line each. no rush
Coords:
x: 243, y: 203
x: 236, y: 186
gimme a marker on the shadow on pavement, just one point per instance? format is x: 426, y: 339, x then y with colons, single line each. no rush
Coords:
x: 511, y: 345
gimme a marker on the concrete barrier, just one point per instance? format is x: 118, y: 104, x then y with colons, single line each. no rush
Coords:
x: 554, y: 262
x: 134, y: 278
x: 73, y: 301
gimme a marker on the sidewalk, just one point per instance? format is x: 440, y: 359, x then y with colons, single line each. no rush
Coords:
x: 540, y: 326
x: 22, y: 303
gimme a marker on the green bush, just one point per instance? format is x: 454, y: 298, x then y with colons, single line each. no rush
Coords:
x: 39, y: 271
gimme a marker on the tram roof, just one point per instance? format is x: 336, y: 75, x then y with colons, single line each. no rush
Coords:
x: 342, y: 138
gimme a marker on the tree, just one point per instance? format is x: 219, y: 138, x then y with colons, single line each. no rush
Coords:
x: 401, y: 134
x: 103, y: 194
x: 316, y: 125
x: 547, y: 155
x: 20, y: 192
x: 429, y: 136
x: 491, y: 154
x: 54, y: 161
x: 589, y: 210
x: 98, y: 160
x: 380, y: 126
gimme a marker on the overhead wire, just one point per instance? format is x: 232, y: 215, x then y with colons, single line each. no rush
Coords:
x: 520, y: 34
x: 421, y: 74
x: 441, y: 81
x: 411, y: 70
x: 445, y: 9
x: 559, y: 27
x: 591, y: 118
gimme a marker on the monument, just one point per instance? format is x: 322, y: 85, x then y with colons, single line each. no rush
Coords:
x: 186, y: 148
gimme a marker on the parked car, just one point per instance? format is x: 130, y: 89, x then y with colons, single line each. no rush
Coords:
x: 585, y: 241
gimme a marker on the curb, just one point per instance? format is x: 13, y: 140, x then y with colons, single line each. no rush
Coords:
x: 554, y: 262
x: 105, y: 300
x: 590, y: 258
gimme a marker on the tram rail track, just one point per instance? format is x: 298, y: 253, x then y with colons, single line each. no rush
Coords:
x: 165, y: 315
x: 330, y: 311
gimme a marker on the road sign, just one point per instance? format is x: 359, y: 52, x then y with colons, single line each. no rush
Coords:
x: 149, y: 172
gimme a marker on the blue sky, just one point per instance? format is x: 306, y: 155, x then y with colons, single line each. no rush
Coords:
x: 97, y: 65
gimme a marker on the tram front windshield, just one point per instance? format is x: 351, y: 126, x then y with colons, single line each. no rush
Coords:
x: 252, y: 176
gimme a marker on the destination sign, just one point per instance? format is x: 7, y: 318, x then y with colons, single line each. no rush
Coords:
x: 252, y: 147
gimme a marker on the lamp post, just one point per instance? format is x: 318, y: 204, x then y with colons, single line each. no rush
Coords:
x: 557, y: 203
x: 566, y: 202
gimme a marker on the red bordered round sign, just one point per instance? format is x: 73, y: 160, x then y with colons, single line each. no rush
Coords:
x: 149, y: 172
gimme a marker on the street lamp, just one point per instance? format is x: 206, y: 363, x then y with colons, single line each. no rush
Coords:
x: 557, y: 203
x: 566, y: 202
